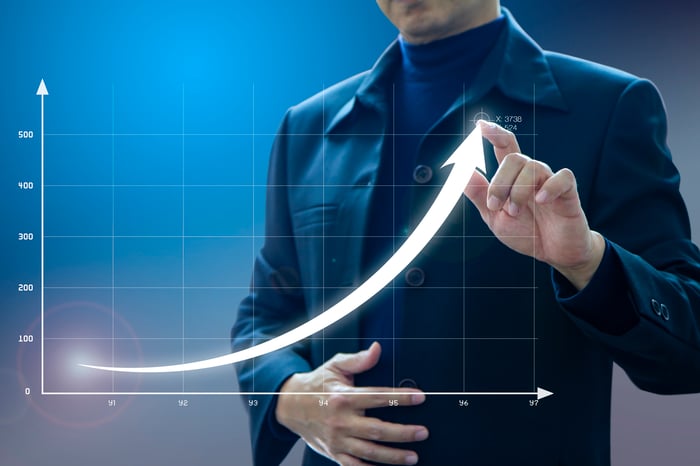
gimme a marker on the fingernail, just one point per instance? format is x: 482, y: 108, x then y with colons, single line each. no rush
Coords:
x: 492, y: 203
x: 488, y: 124
x: 513, y: 209
x: 411, y: 459
x: 421, y: 435
x: 417, y: 398
x: 541, y: 197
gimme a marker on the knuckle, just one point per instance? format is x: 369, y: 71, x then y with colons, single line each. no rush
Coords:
x: 334, y: 424
x: 375, y: 433
x: 566, y: 179
x: 332, y: 439
x: 396, y: 457
x: 545, y: 166
x: 537, y: 169
x: 372, y: 452
x: 407, y: 435
x: 334, y: 433
x: 515, y: 158
x: 568, y: 173
x: 338, y: 358
x: 534, y: 165
x: 339, y: 400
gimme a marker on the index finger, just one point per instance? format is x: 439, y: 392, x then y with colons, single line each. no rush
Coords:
x: 503, y: 141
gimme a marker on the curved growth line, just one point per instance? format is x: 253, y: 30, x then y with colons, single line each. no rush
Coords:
x: 468, y: 156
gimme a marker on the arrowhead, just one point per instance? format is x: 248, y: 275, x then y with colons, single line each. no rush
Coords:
x: 470, y: 153
x: 42, y: 89
x: 542, y: 393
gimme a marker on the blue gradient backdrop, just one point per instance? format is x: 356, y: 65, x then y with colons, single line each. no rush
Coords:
x: 151, y: 96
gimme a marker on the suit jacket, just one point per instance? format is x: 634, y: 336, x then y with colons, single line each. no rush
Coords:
x: 481, y: 317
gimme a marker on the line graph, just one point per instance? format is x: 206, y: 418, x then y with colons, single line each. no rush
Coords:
x: 420, y: 238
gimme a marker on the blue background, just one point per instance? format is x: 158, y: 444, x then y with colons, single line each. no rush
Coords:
x: 165, y: 94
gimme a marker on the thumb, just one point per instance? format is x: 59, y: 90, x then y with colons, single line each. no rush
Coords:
x: 476, y: 191
x: 355, y: 363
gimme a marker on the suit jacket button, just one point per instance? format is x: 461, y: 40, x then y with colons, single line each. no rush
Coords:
x: 664, y: 312
x: 422, y: 174
x: 414, y: 276
x: 656, y: 307
x: 408, y: 383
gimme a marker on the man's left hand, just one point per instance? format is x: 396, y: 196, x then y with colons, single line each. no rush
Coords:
x: 535, y: 211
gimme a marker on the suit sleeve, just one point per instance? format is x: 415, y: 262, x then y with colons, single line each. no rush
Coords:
x: 274, y: 305
x: 643, y: 303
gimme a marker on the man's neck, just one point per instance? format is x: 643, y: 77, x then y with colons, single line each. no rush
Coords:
x: 471, y: 20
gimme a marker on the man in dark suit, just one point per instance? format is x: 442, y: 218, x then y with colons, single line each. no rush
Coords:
x: 575, y: 254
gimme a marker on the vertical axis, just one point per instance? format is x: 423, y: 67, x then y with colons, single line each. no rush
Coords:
x: 42, y: 92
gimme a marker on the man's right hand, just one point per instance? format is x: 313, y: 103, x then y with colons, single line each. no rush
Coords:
x: 340, y: 430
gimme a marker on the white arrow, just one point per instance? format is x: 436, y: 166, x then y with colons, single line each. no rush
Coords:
x: 41, y: 90
x: 467, y: 157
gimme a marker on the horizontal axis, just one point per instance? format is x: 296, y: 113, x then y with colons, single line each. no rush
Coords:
x: 540, y: 393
